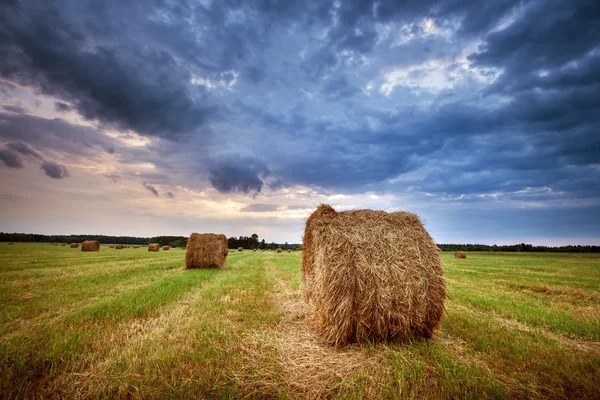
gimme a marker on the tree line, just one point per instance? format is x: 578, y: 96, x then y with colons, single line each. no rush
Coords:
x: 253, y: 242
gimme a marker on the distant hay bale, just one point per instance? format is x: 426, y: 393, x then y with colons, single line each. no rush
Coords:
x: 166, y: 248
x: 289, y: 251
x: 370, y: 275
x: 207, y: 250
x: 90, y: 245
x: 254, y: 250
x: 136, y: 247
x: 10, y: 244
x: 240, y: 249
x: 460, y: 254
x: 112, y: 246
x: 54, y: 244
x: 64, y: 244
x: 118, y: 246
x: 279, y: 250
x: 74, y: 245
x: 154, y: 247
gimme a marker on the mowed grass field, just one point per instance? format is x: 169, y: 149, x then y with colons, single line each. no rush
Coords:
x: 133, y: 324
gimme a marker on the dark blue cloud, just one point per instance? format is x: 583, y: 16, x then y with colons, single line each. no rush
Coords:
x: 54, y: 170
x: 486, y: 96
x: 232, y: 172
x: 151, y: 189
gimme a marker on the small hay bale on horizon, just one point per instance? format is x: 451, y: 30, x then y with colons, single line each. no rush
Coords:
x: 206, y: 250
x: 74, y: 245
x: 460, y: 254
x: 112, y: 246
x: 90, y: 245
x: 370, y: 275
x: 154, y: 247
x: 166, y: 248
x: 136, y: 247
x: 279, y: 250
x: 118, y: 246
x: 254, y: 250
x: 240, y: 249
x: 64, y: 244
x: 289, y: 251
x: 10, y: 243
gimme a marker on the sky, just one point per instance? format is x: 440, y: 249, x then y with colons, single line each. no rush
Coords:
x: 166, y: 117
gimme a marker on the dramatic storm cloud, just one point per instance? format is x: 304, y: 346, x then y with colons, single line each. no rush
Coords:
x: 257, y: 111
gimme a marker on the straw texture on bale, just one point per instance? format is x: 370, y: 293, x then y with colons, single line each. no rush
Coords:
x: 207, y: 250
x: 74, y: 245
x: 166, y: 247
x: 154, y: 247
x: 279, y: 250
x: 90, y: 245
x: 370, y: 275
x: 118, y: 246
x: 240, y: 249
x: 460, y: 254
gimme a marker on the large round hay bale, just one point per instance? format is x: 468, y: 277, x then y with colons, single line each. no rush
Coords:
x: 118, y: 247
x: 460, y: 254
x: 74, y: 245
x: 370, y: 275
x: 90, y: 245
x: 166, y: 248
x: 279, y: 250
x: 207, y: 250
x: 240, y: 249
x: 154, y: 247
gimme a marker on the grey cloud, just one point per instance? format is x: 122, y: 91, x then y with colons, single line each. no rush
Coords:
x: 62, y: 107
x: 259, y: 208
x: 24, y: 149
x: 231, y: 172
x: 11, y: 158
x: 170, y: 195
x: 113, y: 178
x: 151, y: 188
x: 54, y: 170
x: 15, y: 109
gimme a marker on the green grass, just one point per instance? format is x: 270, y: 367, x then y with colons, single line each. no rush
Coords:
x: 130, y: 323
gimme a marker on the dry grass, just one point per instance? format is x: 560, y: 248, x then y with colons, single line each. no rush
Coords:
x: 90, y: 245
x: 371, y: 275
x: 206, y: 250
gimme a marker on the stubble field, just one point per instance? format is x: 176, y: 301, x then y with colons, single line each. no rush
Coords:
x: 133, y: 324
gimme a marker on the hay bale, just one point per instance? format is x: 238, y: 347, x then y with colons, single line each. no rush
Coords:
x: 112, y: 246
x: 207, y: 250
x: 460, y: 254
x: 118, y: 246
x: 136, y: 247
x: 90, y: 245
x: 279, y: 250
x: 64, y: 244
x: 10, y: 243
x: 166, y: 248
x: 154, y: 247
x: 240, y: 249
x: 254, y: 250
x: 74, y: 245
x: 370, y: 275
x: 289, y: 251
